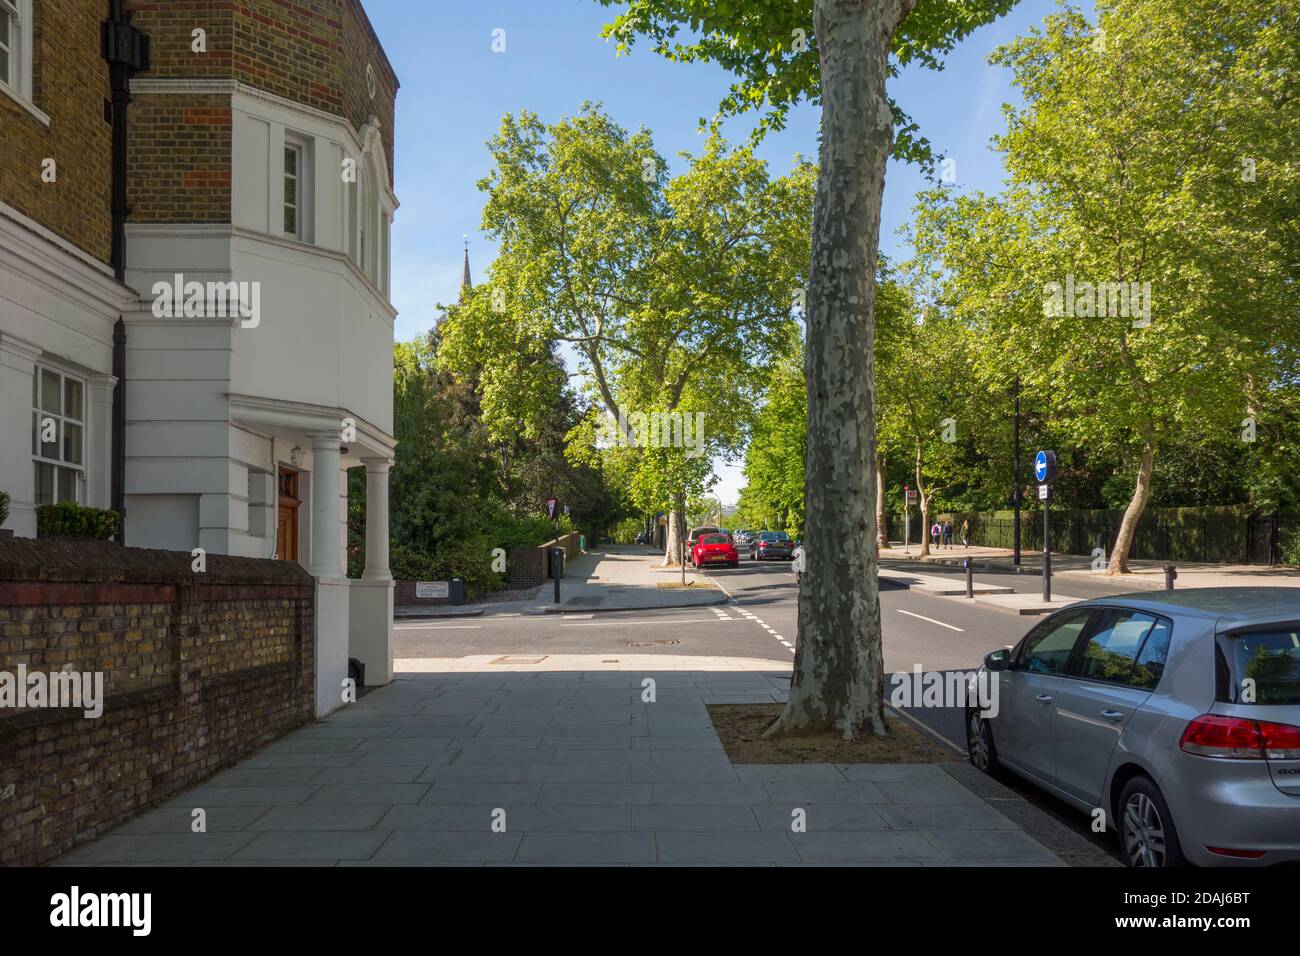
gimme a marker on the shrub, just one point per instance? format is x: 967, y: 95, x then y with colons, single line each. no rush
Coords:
x: 506, y: 531
x: 470, y: 561
x: 75, y: 521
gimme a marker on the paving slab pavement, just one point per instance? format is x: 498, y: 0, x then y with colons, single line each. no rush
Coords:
x: 1026, y: 603
x: 939, y: 584
x: 616, y: 579
x: 624, y: 579
x: 991, y: 595
x: 1144, y: 574
x: 595, y: 774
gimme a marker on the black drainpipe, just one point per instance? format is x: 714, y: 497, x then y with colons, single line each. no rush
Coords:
x: 126, y: 49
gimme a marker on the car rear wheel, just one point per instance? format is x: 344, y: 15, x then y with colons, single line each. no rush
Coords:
x: 979, y: 745
x: 1148, y: 836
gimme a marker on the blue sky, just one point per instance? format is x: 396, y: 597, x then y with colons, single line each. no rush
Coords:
x: 455, y: 90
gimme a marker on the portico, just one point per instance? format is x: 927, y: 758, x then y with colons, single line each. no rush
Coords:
x: 319, y: 446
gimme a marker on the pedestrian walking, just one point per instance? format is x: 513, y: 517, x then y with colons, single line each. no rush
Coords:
x: 965, y: 533
x: 947, y: 534
x: 935, y: 531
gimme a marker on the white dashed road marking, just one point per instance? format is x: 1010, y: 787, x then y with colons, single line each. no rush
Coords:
x: 931, y: 620
x: 750, y: 616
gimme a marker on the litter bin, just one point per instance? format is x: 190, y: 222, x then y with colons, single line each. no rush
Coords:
x: 582, y: 542
x: 457, y: 591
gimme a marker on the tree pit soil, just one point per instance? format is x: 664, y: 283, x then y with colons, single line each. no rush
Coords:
x: 741, y: 728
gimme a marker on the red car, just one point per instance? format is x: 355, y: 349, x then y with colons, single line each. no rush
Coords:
x: 715, y: 548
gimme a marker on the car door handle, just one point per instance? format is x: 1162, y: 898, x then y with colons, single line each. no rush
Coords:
x: 1112, y: 715
x: 1044, y: 698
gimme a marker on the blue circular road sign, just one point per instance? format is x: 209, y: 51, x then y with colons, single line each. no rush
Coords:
x: 1044, y: 467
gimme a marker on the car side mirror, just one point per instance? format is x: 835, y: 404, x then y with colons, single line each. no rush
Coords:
x: 998, y: 660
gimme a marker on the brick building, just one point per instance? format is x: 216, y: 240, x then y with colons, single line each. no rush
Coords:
x: 247, y: 259
x: 59, y: 298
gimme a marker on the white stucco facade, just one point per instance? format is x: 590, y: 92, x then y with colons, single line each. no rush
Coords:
x: 57, y: 311
x: 221, y: 407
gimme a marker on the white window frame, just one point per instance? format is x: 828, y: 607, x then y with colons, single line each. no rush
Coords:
x: 366, y: 242
x: 372, y: 215
x: 296, y: 177
x: 304, y: 147
x: 61, y: 418
x: 17, y: 81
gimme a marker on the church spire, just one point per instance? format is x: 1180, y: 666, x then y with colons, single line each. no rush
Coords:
x: 466, y: 283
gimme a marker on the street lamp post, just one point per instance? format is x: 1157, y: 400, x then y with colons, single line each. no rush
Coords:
x: 1015, y: 477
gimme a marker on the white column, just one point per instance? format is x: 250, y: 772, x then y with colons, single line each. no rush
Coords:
x: 17, y: 473
x: 377, y: 519
x: 99, y: 441
x: 370, y: 608
x: 326, y: 489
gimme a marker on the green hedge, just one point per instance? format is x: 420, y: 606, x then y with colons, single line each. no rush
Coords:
x: 71, y: 520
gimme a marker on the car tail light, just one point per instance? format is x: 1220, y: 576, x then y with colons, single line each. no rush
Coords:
x: 1238, y: 854
x: 1281, y: 741
x: 1213, y: 735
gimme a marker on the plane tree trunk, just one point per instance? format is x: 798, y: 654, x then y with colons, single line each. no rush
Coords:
x: 923, y: 495
x: 838, y: 679
x: 1118, y: 563
x: 673, y: 539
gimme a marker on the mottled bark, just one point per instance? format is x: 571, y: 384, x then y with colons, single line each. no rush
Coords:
x: 882, y: 519
x: 923, y: 496
x: 838, y: 677
x: 673, y: 553
x: 1118, y: 563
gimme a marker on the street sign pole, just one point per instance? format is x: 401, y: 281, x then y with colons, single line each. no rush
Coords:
x: 1015, y: 479
x: 1047, y: 544
x: 553, y: 511
x: 1045, y: 472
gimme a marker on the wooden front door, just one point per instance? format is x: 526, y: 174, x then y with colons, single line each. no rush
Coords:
x: 286, y: 532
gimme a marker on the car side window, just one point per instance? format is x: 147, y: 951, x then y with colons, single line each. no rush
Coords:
x: 1112, y: 648
x: 1047, y: 649
x: 1151, y: 659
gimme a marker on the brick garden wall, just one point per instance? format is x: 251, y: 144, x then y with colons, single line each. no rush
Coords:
x: 526, y: 568
x: 199, y: 670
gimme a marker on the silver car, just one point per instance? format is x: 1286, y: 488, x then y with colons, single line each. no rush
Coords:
x: 1175, y: 713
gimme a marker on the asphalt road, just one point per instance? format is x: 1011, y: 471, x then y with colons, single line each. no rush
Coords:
x: 920, y: 631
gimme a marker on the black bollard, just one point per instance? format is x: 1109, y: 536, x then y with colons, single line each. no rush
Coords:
x: 970, y: 579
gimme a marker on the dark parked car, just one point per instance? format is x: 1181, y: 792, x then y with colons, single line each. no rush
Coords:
x: 771, y: 544
x: 1176, y: 713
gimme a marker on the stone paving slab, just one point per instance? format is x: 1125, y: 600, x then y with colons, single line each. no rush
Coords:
x: 417, y: 773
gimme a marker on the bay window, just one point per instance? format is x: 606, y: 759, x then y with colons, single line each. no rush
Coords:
x: 58, y: 436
